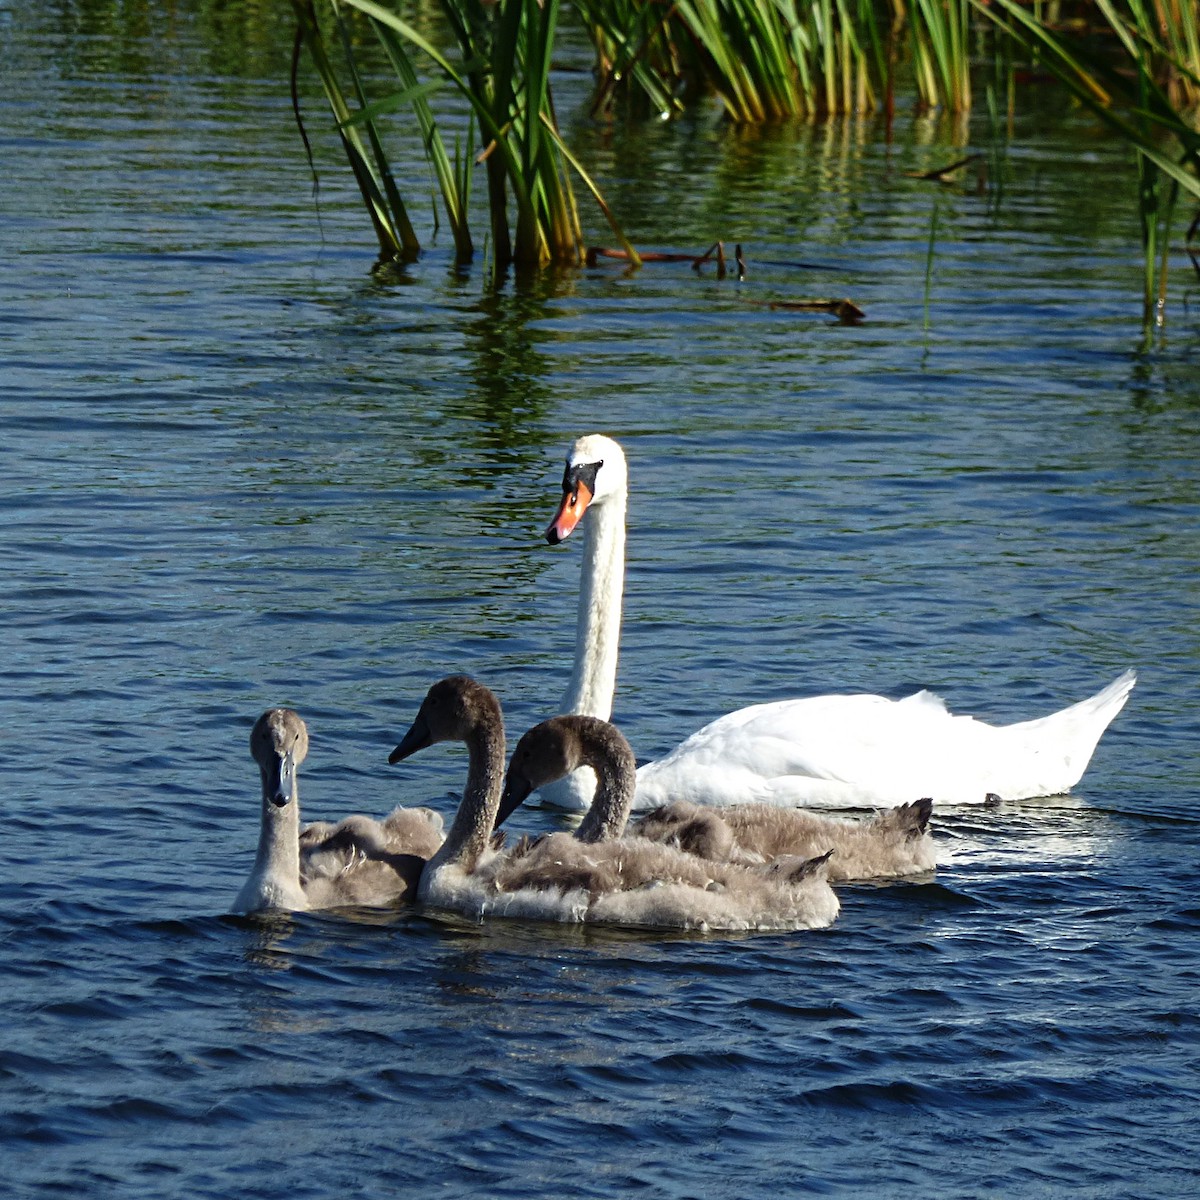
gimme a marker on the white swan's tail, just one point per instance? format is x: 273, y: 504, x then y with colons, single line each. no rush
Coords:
x: 1070, y: 736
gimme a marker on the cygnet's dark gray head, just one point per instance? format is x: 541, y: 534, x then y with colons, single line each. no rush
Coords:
x: 454, y: 710
x: 554, y: 749
x: 546, y: 752
x: 279, y: 744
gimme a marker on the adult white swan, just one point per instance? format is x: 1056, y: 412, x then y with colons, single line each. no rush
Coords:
x: 835, y: 751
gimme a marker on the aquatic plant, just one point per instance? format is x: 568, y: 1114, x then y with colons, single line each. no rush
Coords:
x: 632, y: 40
x: 1134, y: 81
x: 939, y: 31
x: 763, y: 59
x: 768, y: 59
x: 502, y: 71
x: 1178, y: 25
x: 368, y: 162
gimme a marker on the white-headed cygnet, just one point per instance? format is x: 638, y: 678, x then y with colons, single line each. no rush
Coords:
x: 561, y: 878
x: 835, y: 751
x: 358, y: 861
x: 889, y: 845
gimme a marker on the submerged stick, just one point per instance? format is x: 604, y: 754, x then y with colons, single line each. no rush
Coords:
x: 845, y: 310
x: 715, y: 252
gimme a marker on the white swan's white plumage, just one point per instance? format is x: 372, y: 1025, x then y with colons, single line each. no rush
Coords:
x: 863, y: 751
x: 358, y: 861
x: 596, y: 877
x: 832, y: 751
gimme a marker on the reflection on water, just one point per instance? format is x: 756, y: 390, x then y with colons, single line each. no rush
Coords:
x: 271, y: 933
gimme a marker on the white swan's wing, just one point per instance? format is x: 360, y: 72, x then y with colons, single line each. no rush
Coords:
x: 827, y: 750
x: 863, y: 750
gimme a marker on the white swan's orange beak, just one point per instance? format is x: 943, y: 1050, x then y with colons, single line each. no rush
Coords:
x: 576, y: 498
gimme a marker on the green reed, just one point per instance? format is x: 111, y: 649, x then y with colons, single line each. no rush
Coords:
x: 1128, y: 83
x: 502, y: 69
x: 763, y: 59
x: 368, y: 162
x: 635, y: 56
x: 939, y: 31
x: 1178, y: 25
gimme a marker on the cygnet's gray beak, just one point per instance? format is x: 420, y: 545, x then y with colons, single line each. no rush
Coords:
x: 417, y: 738
x: 279, y: 779
x: 516, y: 790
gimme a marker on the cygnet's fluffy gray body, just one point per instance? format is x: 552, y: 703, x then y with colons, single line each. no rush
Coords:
x: 889, y: 845
x: 633, y: 881
x: 597, y: 876
x: 358, y: 861
x: 363, y: 861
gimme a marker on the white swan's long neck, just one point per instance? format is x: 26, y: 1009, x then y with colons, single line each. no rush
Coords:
x: 598, y: 629
x: 472, y: 828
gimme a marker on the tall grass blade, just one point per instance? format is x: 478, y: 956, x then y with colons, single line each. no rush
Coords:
x: 410, y: 247
x: 504, y: 76
x: 455, y: 197
x: 765, y: 60
x: 391, y: 239
x: 940, y: 32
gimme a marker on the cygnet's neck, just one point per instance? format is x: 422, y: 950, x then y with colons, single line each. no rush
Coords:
x: 279, y: 845
x: 609, y: 755
x: 472, y: 828
x: 598, y: 629
x: 275, y: 880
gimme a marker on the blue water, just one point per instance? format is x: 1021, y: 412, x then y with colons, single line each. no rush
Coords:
x: 241, y: 470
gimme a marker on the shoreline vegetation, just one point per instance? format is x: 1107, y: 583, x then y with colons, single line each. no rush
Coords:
x: 1134, y: 64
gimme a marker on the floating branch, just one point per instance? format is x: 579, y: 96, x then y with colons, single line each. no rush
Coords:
x: 594, y: 253
x: 846, y: 311
x: 939, y: 175
x: 715, y: 253
x: 719, y: 248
